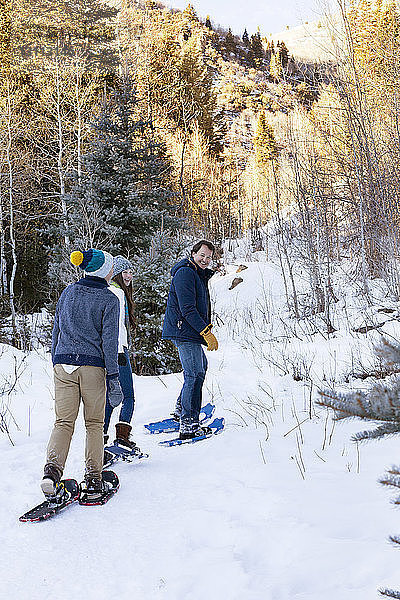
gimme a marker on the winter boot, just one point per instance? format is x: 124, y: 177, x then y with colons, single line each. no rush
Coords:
x: 93, y: 487
x: 50, y: 484
x: 176, y: 414
x: 194, y: 431
x: 123, y: 431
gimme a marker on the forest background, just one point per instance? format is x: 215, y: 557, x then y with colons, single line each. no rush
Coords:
x: 136, y: 128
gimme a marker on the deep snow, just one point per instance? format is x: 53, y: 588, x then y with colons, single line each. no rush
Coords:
x: 280, y: 506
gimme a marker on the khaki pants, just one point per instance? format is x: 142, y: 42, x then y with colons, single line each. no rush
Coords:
x: 88, y: 384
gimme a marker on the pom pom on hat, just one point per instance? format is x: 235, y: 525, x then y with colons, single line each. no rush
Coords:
x: 96, y: 263
x: 76, y: 258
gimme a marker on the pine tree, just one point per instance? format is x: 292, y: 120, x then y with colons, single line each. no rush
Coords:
x: 151, y: 282
x: 176, y: 79
x: 208, y: 23
x: 119, y: 203
x: 245, y: 38
x: 275, y: 66
x: 6, y: 37
x: 284, y: 54
x: 125, y: 176
x: 257, y: 48
x: 122, y: 195
x: 267, y: 49
x: 190, y: 13
x: 229, y: 41
x: 265, y: 145
x: 305, y: 94
x: 46, y: 29
x: 250, y: 60
x: 381, y: 405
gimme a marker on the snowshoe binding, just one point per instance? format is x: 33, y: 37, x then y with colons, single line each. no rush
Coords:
x: 95, y: 491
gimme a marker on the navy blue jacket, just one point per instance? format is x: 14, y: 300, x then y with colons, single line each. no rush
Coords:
x: 188, y: 305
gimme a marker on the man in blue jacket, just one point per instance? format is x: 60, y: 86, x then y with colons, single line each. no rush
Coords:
x: 188, y: 324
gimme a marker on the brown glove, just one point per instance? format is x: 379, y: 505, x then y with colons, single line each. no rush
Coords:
x: 211, y: 340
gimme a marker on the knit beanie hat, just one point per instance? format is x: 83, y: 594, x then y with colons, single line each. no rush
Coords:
x: 121, y: 264
x: 95, y: 263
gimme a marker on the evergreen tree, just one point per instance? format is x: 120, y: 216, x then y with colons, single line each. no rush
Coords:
x: 6, y: 37
x: 275, y: 66
x: 250, y: 60
x: 190, y: 13
x: 229, y: 42
x: 48, y: 29
x: 257, y: 48
x: 268, y: 49
x: 381, y: 405
x: 208, y: 23
x: 245, y: 38
x: 265, y: 145
x: 121, y: 200
x: 151, y: 281
x: 284, y: 54
x: 305, y: 94
x: 123, y: 195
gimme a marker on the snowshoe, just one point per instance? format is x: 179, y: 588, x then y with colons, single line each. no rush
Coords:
x: 215, y: 427
x: 115, y: 453
x: 95, y: 491
x: 67, y: 491
x: 172, y: 424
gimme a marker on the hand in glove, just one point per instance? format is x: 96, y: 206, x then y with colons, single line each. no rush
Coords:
x: 115, y: 395
x: 211, y: 340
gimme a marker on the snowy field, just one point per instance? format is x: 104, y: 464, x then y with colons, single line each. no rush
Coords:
x: 280, y: 506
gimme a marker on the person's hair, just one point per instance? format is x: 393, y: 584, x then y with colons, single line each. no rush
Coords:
x: 201, y: 243
x: 129, y: 297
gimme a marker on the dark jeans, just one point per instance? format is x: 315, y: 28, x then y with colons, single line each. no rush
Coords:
x: 128, y: 403
x: 194, y: 364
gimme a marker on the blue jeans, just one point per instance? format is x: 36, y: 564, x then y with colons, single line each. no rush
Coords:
x: 194, y: 364
x: 128, y: 403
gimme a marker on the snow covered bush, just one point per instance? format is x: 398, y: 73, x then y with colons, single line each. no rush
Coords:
x: 151, y: 281
x: 381, y: 405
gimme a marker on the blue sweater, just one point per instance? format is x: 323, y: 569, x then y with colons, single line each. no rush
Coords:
x: 188, y: 305
x: 85, y: 328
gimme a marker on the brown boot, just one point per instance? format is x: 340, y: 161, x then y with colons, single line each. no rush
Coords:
x: 122, y: 435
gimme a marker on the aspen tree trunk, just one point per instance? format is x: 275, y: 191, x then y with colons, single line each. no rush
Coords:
x: 11, y: 215
x: 324, y: 279
x: 78, y: 78
x: 181, y: 175
x: 315, y: 273
x: 284, y: 249
x: 61, y: 174
x: 360, y: 213
x: 3, y: 264
x: 239, y: 203
x: 358, y: 168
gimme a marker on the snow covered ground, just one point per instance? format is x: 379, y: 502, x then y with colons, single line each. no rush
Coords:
x: 280, y: 506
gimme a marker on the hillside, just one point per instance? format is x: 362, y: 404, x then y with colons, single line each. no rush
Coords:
x: 315, y: 41
x: 280, y: 505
